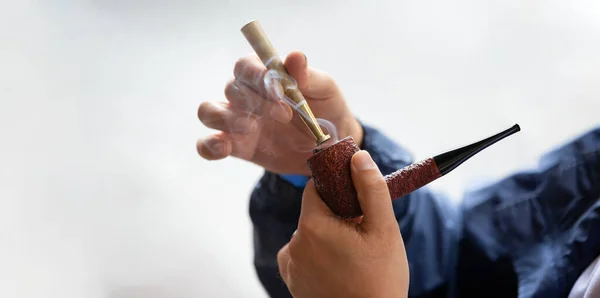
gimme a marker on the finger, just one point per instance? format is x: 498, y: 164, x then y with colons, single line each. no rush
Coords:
x: 373, y: 193
x: 313, y: 83
x: 214, y: 147
x: 219, y: 116
x: 296, y: 65
x: 313, y: 209
x: 244, y: 98
x: 283, y: 258
x: 251, y: 71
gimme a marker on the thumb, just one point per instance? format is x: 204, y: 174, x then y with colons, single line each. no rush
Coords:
x: 313, y: 83
x: 373, y: 194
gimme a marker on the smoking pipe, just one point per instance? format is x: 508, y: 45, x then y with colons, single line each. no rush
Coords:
x: 330, y: 166
x: 330, y: 171
x: 257, y: 38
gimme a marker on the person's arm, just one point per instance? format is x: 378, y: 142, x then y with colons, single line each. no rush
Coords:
x: 428, y: 222
x: 535, y: 230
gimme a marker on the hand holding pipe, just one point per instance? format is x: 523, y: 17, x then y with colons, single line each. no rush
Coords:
x: 330, y: 167
x: 330, y: 171
x: 268, y: 55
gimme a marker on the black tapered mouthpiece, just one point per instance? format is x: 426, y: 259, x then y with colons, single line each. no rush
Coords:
x: 448, y: 161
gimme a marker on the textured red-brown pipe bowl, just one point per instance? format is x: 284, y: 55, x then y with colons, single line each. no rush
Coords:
x: 330, y: 170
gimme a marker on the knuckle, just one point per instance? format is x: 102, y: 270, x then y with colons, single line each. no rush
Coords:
x: 293, y: 248
x: 305, y: 227
x: 281, y: 253
x: 250, y: 70
x: 230, y: 89
x: 240, y: 66
x: 308, y: 229
x: 314, y: 230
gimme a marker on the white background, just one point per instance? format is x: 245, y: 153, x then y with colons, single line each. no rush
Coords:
x: 102, y: 193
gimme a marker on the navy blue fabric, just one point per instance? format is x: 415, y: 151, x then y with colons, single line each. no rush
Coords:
x: 529, y: 235
x: 296, y: 180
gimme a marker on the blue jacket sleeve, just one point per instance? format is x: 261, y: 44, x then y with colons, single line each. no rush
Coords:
x: 429, y: 224
x: 532, y: 233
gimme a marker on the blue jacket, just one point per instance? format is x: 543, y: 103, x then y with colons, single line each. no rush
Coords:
x: 529, y: 235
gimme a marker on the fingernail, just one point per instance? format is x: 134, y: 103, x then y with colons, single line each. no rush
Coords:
x: 214, y: 146
x: 363, y: 161
x: 305, y: 59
